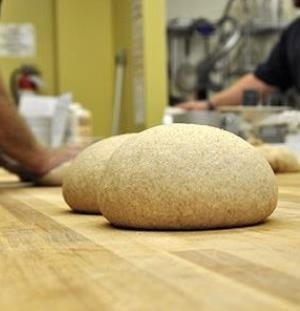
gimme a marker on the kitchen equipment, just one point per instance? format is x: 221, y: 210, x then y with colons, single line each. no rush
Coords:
x: 253, y: 114
x: 212, y: 118
x: 245, y: 121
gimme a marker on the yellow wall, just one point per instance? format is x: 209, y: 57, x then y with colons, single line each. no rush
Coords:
x: 40, y: 13
x: 85, y: 56
x: 76, y: 44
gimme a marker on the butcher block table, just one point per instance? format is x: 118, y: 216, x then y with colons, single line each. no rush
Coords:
x: 53, y: 259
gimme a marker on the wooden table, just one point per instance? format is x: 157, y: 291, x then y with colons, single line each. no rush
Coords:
x: 53, y: 259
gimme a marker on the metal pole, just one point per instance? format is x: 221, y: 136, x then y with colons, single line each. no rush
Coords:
x: 119, y: 81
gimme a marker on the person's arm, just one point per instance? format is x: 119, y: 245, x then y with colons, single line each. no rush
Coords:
x: 17, y: 142
x: 274, y: 73
x: 233, y: 95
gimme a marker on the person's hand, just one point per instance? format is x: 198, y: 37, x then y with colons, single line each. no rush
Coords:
x: 49, y: 159
x: 193, y: 105
x: 55, y: 157
x: 13, y: 167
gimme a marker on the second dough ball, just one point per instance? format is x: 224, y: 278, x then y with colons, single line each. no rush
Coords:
x: 281, y: 159
x: 83, y: 179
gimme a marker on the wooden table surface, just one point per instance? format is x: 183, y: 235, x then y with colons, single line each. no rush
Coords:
x: 53, y: 259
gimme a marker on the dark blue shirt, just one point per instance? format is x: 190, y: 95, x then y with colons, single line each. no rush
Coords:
x: 282, y: 68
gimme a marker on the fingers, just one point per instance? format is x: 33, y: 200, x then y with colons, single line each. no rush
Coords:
x: 14, y: 168
x: 193, y: 105
x: 186, y: 106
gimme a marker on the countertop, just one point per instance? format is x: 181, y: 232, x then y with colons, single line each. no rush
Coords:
x: 53, y: 259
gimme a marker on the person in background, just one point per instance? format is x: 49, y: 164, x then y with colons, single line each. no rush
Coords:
x: 20, y: 153
x: 280, y: 71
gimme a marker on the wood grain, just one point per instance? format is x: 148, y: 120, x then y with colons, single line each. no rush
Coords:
x: 53, y: 259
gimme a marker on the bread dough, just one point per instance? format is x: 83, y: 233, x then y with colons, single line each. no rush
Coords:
x: 187, y: 177
x: 254, y: 141
x: 55, y: 177
x: 82, y: 181
x: 281, y: 159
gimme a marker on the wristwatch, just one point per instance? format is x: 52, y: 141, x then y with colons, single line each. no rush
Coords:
x: 210, y: 105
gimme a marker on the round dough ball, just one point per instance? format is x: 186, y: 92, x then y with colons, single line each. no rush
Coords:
x: 54, y: 178
x: 82, y: 181
x: 281, y: 159
x: 254, y: 141
x: 187, y: 177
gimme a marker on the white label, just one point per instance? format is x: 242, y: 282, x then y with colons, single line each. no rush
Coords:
x: 17, y: 40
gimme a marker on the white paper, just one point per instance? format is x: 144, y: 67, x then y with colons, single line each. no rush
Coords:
x: 47, y: 116
x: 17, y: 40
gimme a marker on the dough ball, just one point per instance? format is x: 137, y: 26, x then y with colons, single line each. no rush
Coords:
x: 281, y: 159
x: 82, y: 181
x: 254, y: 141
x: 187, y: 177
x: 55, y: 177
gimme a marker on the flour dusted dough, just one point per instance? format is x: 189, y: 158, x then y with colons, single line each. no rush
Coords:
x: 187, y: 177
x: 55, y: 177
x: 82, y: 181
x: 281, y: 159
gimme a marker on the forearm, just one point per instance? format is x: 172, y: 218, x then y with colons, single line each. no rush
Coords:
x: 16, y: 139
x: 234, y: 94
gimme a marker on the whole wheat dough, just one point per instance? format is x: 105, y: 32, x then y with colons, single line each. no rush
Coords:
x: 281, y: 159
x: 254, y: 141
x: 187, y: 177
x: 55, y: 177
x: 82, y: 181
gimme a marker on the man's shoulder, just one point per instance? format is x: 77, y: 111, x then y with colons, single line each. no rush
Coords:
x: 294, y: 26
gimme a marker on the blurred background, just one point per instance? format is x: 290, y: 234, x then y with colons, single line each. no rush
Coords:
x: 221, y: 40
x: 84, y: 70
